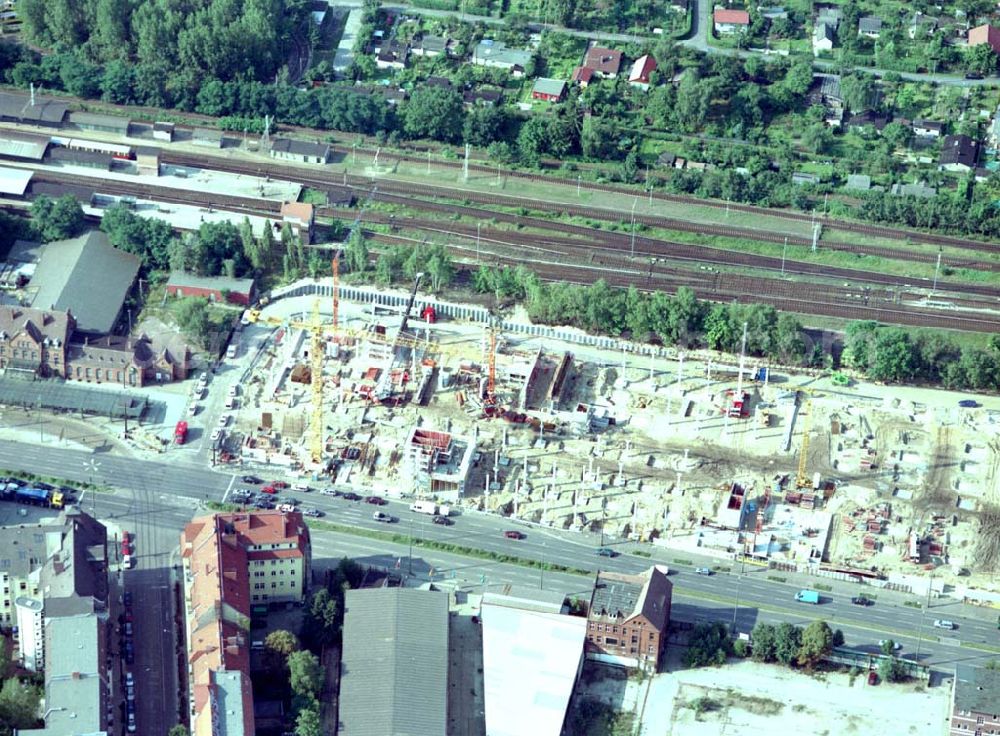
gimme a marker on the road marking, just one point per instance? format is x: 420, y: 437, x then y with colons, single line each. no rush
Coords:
x: 229, y: 488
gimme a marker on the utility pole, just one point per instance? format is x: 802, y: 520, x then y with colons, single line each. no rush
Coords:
x: 479, y: 226
x: 937, y: 270
x: 784, y: 250
x: 633, y: 225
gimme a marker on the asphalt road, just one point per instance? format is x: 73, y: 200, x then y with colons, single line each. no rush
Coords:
x: 163, y: 496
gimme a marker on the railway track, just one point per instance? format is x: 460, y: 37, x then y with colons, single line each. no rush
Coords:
x: 745, y: 290
x: 650, y: 269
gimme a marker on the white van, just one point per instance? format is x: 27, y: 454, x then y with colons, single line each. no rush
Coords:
x: 231, y: 352
x: 301, y: 487
x: 230, y: 402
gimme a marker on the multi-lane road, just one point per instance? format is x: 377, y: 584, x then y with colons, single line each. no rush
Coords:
x: 158, y: 498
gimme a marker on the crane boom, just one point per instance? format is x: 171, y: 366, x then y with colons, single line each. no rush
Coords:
x: 335, y: 265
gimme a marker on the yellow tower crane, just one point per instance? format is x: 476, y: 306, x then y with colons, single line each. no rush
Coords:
x: 802, y: 479
x: 315, y: 327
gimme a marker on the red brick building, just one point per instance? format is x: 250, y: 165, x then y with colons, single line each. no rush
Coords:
x: 127, y: 361
x: 214, y: 288
x: 35, y: 340
x: 628, y: 617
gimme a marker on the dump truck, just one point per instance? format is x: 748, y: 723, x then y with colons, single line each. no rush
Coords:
x: 807, y: 596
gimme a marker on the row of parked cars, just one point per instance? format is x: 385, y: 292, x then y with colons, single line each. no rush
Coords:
x: 128, y: 653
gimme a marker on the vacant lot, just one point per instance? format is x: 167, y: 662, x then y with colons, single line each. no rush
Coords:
x: 752, y: 698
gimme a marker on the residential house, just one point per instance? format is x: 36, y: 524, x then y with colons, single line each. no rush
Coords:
x: 679, y: 6
x: 393, y: 95
x: 34, y: 341
x: 829, y: 14
x: 482, y: 96
x: 309, y: 152
x: 985, y: 34
x: 442, y: 82
x: 877, y: 120
x: 496, y: 54
x: 392, y: 55
x: 975, y: 701
x: 429, y: 46
x: 628, y: 617
x: 214, y: 288
x: 922, y: 24
x: 958, y: 153
x: 927, y: 128
x: 870, y: 26
x: 604, y: 62
x: 643, y: 67
x: 822, y: 38
x: 549, y: 90
x: 917, y: 189
x: 858, y: 182
x: 801, y: 178
x: 582, y: 76
x: 727, y: 22
x: 88, y: 276
x: 232, y: 563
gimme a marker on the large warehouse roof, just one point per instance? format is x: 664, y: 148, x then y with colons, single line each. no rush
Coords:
x: 23, y: 145
x: 395, y: 663
x: 530, y: 663
x: 88, y: 276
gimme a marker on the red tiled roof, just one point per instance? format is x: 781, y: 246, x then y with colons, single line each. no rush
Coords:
x: 642, y: 68
x: 274, y: 554
x: 734, y: 17
x: 583, y: 74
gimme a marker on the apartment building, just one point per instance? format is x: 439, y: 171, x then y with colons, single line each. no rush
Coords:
x: 975, y: 701
x: 233, y: 562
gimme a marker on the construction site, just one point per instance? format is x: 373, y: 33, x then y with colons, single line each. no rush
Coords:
x: 698, y: 451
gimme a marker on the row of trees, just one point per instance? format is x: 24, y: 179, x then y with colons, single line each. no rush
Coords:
x: 681, y: 319
x: 897, y: 355
x: 710, y: 644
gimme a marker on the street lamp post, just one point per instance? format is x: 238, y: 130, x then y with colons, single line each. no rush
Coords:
x: 92, y: 467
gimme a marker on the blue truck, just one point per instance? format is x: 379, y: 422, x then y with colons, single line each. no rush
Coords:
x: 807, y: 596
x: 36, y: 496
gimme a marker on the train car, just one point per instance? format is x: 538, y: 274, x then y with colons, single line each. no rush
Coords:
x: 115, y: 150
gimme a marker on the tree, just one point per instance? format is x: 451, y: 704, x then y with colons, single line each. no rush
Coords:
x: 763, y: 640
x: 305, y: 674
x: 817, y: 642
x: 858, y: 90
x: 484, y: 126
x: 708, y: 644
x: 981, y: 59
x: 282, y: 642
x: 148, y: 238
x: 308, y: 722
x: 817, y: 137
x: 434, y: 112
x: 178, y: 730
x: 887, y: 646
x: 192, y: 318
x: 891, y: 669
x: 57, y: 219
x: 19, y: 704
x: 532, y: 140
x: 439, y: 267
x: 356, y: 252
x: 787, y: 642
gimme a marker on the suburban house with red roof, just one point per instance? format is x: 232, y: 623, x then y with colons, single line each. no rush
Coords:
x: 641, y: 69
x: 604, y: 62
x: 727, y: 22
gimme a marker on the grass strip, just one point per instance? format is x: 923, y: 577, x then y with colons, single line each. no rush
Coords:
x: 457, y: 549
x: 52, y: 480
x: 984, y: 647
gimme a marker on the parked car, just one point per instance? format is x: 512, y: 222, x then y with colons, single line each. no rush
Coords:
x: 279, y: 484
x: 127, y: 597
x: 129, y: 653
x: 974, y: 75
x: 514, y: 534
x: 442, y: 520
x: 606, y: 552
x: 351, y: 496
x: 873, y: 678
x: 127, y: 562
x: 252, y: 480
x: 270, y: 490
x: 968, y: 403
x: 224, y: 420
x: 860, y: 600
x: 216, y: 435
x: 376, y: 500
x: 129, y: 680
x: 943, y: 623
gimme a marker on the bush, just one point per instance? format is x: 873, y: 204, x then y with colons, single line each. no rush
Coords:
x: 741, y: 648
x: 708, y: 644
